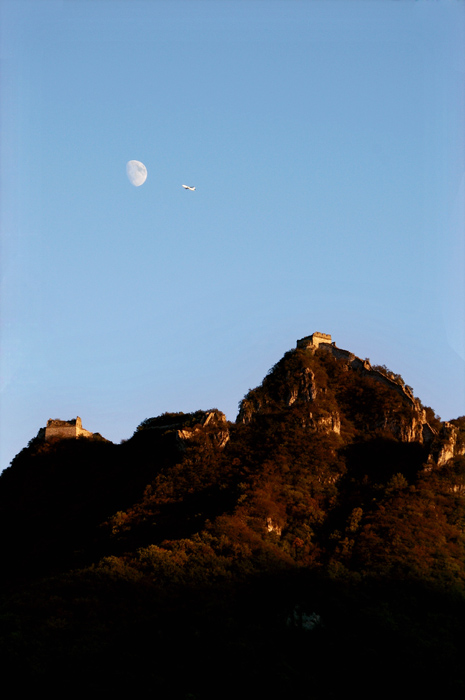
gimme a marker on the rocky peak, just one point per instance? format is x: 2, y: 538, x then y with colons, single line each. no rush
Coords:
x: 340, y: 390
x: 293, y: 385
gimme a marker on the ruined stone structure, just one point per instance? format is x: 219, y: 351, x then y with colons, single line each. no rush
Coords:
x: 65, y: 429
x: 314, y: 340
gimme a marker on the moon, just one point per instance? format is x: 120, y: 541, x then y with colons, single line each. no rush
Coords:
x: 137, y: 172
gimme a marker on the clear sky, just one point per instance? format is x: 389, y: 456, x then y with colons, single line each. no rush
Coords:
x: 326, y: 144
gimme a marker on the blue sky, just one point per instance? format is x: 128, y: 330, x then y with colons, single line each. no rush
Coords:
x: 326, y: 144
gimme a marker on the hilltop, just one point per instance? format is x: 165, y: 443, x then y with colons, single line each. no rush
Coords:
x: 324, y: 526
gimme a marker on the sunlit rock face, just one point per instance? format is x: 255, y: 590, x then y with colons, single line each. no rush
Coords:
x: 447, y: 445
x: 323, y: 377
x: 211, y: 424
x: 286, y: 386
x: 331, y: 423
x: 411, y: 427
x: 210, y: 427
x: 273, y: 526
x: 304, y: 389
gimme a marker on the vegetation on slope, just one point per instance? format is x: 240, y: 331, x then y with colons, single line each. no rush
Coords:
x: 315, y: 547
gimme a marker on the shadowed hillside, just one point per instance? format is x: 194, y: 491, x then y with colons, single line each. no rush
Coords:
x: 318, y: 542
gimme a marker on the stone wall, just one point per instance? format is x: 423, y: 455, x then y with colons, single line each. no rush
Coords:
x: 313, y: 340
x: 65, y: 429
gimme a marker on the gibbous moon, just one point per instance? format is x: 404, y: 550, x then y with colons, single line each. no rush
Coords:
x: 137, y: 172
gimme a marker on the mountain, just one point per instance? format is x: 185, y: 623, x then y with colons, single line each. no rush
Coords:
x: 317, y: 542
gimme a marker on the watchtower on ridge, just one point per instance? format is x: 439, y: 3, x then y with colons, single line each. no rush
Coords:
x: 314, y: 340
x: 65, y: 428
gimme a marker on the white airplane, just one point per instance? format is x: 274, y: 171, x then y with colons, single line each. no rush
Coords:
x: 186, y: 187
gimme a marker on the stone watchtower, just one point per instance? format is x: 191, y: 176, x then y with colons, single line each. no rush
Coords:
x: 65, y: 429
x: 314, y: 340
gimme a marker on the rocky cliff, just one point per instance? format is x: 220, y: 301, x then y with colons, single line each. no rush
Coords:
x: 325, y: 526
x: 210, y: 426
x: 332, y: 389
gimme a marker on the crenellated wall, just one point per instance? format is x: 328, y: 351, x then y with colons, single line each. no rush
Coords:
x: 65, y: 429
x: 314, y: 340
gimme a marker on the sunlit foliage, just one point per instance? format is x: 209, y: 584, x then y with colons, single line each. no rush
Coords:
x: 316, y: 536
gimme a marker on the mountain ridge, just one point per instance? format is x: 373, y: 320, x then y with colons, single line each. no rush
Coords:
x: 327, y: 522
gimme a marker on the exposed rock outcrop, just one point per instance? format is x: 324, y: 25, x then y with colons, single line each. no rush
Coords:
x: 304, y: 390
x: 446, y: 445
x: 301, y: 378
x: 212, y: 425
